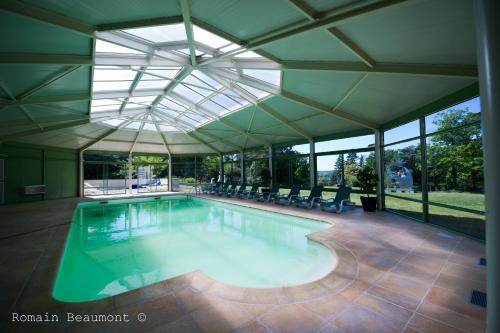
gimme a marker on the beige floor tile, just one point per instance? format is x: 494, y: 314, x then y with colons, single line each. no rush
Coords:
x: 183, y: 324
x: 220, y: 317
x: 465, y: 272
x: 426, y: 325
x: 451, y: 318
x: 327, y: 306
x: 357, y: 318
x: 252, y: 327
x: 455, y: 302
x: 292, y: 319
x: 405, y: 301
x: 393, y: 313
x: 404, y: 286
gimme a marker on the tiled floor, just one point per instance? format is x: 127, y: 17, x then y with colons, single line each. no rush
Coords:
x: 394, y: 275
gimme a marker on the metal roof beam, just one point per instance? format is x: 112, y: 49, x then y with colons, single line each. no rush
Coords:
x: 44, y: 130
x: 139, y: 131
x: 137, y: 78
x: 181, y: 75
x: 335, y: 18
x: 46, y: 16
x: 323, y: 108
x: 266, y: 109
x: 216, y: 138
x: 42, y: 58
x: 216, y: 117
x: 108, y: 133
x: 244, y: 64
x: 466, y: 71
x: 247, y: 80
x: 305, y: 9
x: 139, y: 23
x: 112, y: 59
x: 186, y: 15
x: 48, y: 82
x: 129, y: 41
x: 47, y: 99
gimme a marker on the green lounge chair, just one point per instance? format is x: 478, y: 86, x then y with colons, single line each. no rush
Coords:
x: 273, y: 192
x: 250, y: 194
x: 222, y: 188
x: 313, y: 198
x: 341, y: 198
x: 228, y: 190
x: 212, y: 188
x: 289, y: 198
x: 238, y: 192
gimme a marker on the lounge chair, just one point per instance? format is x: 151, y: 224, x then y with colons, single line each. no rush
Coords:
x: 240, y: 191
x: 342, y: 197
x: 273, y: 192
x: 313, y: 198
x: 228, y: 190
x: 221, y: 188
x: 288, y: 199
x: 250, y: 194
x: 209, y: 189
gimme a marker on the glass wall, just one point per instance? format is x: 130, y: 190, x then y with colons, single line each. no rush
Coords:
x: 150, y: 173
x: 291, y: 164
x: 104, y: 173
x: 257, y: 167
x: 232, y: 168
x: 190, y: 170
x: 448, y: 150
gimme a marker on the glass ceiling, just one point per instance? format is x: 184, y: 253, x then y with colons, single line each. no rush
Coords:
x: 157, y: 87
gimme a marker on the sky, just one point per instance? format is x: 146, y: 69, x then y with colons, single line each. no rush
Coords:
x: 406, y: 131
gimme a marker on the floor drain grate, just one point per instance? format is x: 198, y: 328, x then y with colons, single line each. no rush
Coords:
x: 482, y: 261
x: 478, y: 298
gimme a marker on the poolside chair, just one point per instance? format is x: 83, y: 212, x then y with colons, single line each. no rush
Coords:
x: 250, y: 194
x: 210, y: 188
x: 240, y: 191
x: 221, y: 188
x: 341, y: 198
x: 313, y: 198
x: 227, y: 192
x: 273, y: 192
x: 288, y: 199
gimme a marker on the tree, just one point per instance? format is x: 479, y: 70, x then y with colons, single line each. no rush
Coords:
x: 337, y: 177
x: 454, y: 154
x: 361, y: 163
x: 351, y: 158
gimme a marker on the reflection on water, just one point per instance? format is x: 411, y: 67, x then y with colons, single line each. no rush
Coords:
x: 122, y: 246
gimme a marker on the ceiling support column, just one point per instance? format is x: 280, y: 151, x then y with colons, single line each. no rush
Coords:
x: 312, y: 164
x: 379, y: 168
x: 129, y: 162
x: 221, y: 167
x: 272, y: 173
x: 170, y: 172
x: 81, y: 184
x: 488, y: 49
x: 242, y: 167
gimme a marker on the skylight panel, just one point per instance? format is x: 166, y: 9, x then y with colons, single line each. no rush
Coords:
x: 106, y: 47
x: 168, y: 112
x: 160, y: 34
x: 196, y: 82
x: 134, y: 125
x: 167, y: 73
x: 269, y: 76
x: 189, y: 121
x: 206, y: 79
x: 152, y: 84
x: 248, y: 54
x: 171, y: 105
x: 213, y: 107
x: 142, y: 99
x: 228, y: 48
x: 187, y: 93
x: 208, y: 38
x: 226, y: 102
x: 233, y: 95
x: 113, y: 74
x: 103, y: 102
x: 111, y: 85
x: 164, y: 128
x: 133, y: 106
x: 256, y: 92
x: 105, y: 108
x: 149, y: 127
x: 113, y: 122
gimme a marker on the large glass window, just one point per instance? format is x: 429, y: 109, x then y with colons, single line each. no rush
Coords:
x: 455, y: 169
x: 292, y: 167
x: 257, y: 167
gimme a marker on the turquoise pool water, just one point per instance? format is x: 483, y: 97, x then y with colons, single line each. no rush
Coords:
x: 128, y: 244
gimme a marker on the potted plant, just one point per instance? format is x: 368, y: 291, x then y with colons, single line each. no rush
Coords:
x: 368, y: 179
